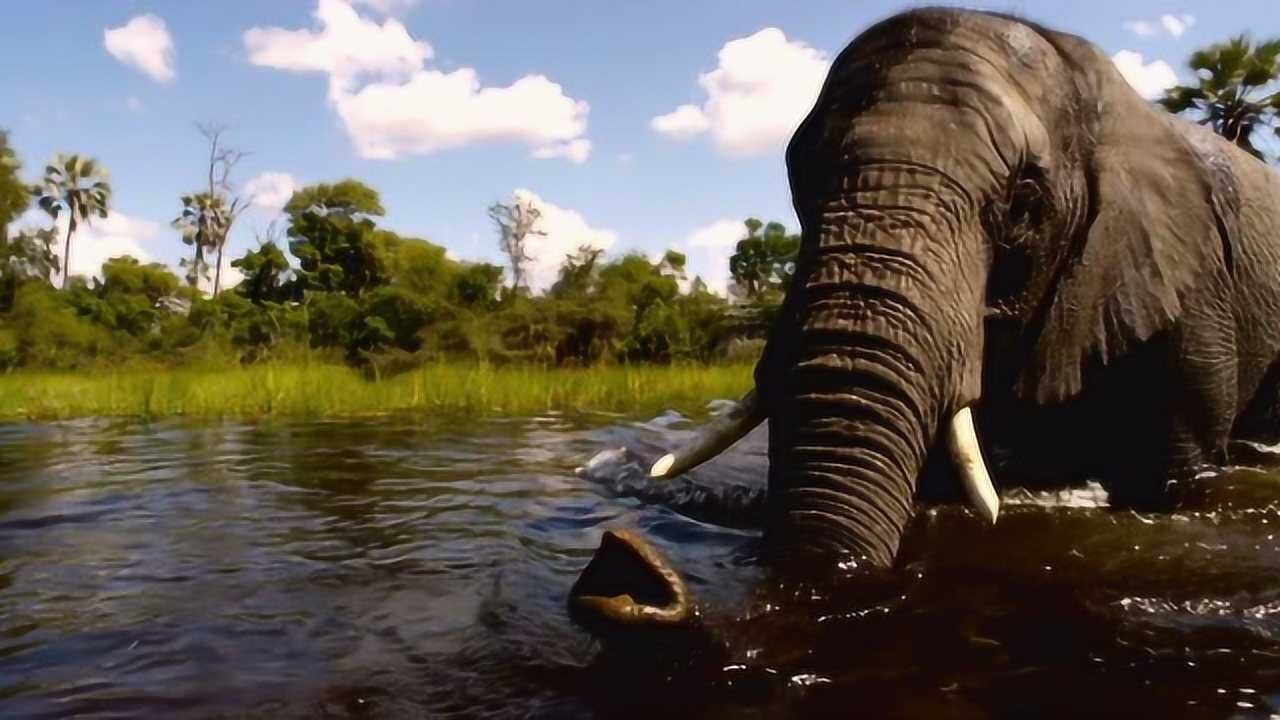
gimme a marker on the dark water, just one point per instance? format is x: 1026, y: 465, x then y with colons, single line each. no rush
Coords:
x: 391, y: 568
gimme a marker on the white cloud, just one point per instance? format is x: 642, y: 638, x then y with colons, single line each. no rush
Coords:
x: 566, y: 230
x: 1175, y: 25
x: 708, y: 249
x: 271, y: 190
x: 762, y: 88
x: 682, y: 123
x: 144, y: 43
x: 719, y: 235
x: 1141, y: 28
x: 97, y: 241
x: 105, y: 238
x: 391, y: 104
x: 231, y: 276
x: 346, y: 47
x: 134, y: 104
x: 437, y: 111
x: 1149, y: 79
x: 576, y: 151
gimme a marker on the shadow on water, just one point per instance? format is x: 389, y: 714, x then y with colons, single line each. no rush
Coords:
x: 398, y: 568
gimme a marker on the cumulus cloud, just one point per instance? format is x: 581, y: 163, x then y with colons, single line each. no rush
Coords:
x: 145, y: 44
x: 565, y: 231
x: 346, y: 47
x: 576, y: 151
x: 105, y: 238
x: 682, y: 123
x: 392, y: 104
x: 708, y: 249
x: 1175, y: 25
x: 97, y: 241
x: 1149, y: 79
x: 761, y: 89
x: 271, y: 190
x: 231, y: 276
x: 437, y: 111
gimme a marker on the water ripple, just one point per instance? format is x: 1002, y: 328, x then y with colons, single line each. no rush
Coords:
x: 398, y: 568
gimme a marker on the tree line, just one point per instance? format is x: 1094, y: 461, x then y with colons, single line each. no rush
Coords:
x: 350, y: 290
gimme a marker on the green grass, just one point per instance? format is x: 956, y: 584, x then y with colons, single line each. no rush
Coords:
x: 315, y: 390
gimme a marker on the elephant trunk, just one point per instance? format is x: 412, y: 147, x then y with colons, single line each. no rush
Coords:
x: 875, y: 364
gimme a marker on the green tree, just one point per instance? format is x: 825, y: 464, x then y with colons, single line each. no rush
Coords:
x: 706, y: 323
x: 391, y: 317
x: 256, y: 330
x: 77, y: 185
x: 672, y: 265
x: 476, y: 286
x: 577, y: 273
x: 203, y: 225
x: 1234, y: 94
x: 50, y: 332
x: 264, y: 270
x: 350, y: 198
x: 763, y: 262
x: 332, y: 320
x: 421, y: 267
x: 14, y: 194
x: 128, y: 298
x: 334, y: 238
x: 633, y: 298
x: 28, y: 256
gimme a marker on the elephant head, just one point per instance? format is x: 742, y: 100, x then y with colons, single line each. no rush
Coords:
x: 974, y: 191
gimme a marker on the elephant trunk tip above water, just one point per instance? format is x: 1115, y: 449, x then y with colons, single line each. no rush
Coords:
x: 999, y: 234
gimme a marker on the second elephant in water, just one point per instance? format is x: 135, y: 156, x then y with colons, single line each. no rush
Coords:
x: 999, y: 237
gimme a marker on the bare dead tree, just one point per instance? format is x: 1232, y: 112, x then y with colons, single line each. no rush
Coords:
x: 515, y: 225
x: 222, y: 161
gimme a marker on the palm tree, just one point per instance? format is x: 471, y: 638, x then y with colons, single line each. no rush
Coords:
x: 1235, y: 95
x: 203, y: 224
x: 78, y: 185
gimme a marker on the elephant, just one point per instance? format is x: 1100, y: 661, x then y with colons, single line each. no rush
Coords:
x: 999, y: 235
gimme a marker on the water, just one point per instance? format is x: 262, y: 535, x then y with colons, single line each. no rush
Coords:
x: 395, y: 568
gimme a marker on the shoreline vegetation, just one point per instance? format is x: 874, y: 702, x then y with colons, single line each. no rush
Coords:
x: 314, y: 390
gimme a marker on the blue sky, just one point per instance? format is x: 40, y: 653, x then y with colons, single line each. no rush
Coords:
x: 446, y: 106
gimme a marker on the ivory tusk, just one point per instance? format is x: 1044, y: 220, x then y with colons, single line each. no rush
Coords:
x: 712, y: 440
x: 962, y: 440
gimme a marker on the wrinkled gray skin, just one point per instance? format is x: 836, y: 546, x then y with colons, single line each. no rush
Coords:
x: 993, y: 218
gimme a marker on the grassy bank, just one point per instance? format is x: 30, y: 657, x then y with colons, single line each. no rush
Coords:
x: 331, y: 390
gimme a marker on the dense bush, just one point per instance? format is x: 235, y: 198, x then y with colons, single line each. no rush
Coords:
x: 361, y: 293
x: 49, y: 331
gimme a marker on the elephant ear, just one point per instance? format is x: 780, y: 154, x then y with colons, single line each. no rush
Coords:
x: 1149, y: 237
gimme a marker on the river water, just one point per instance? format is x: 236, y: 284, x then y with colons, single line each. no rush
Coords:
x: 410, y: 568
